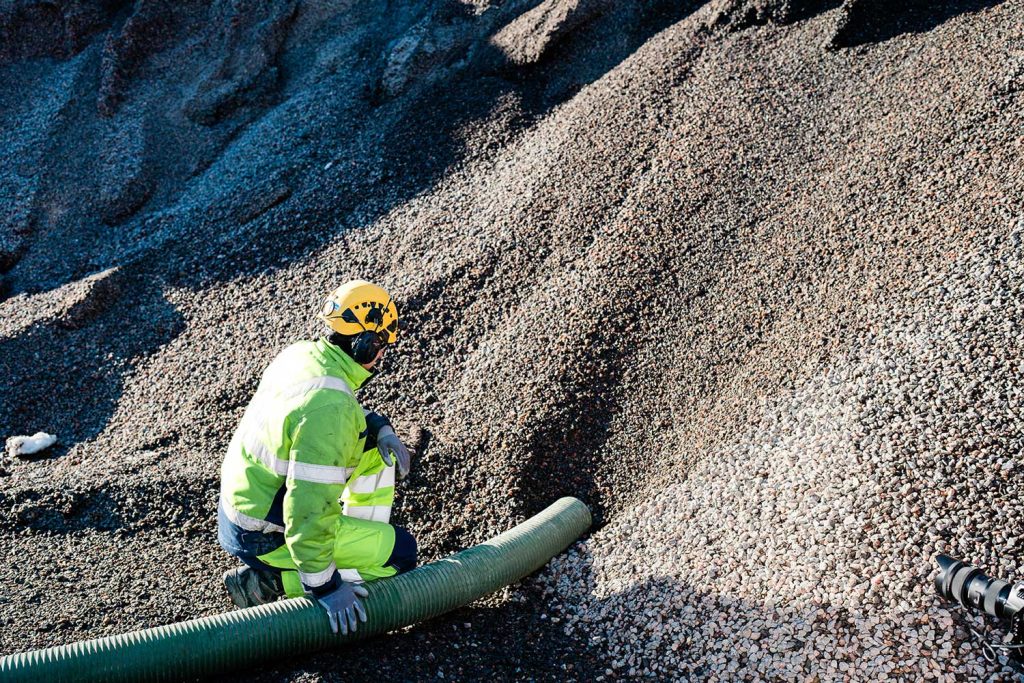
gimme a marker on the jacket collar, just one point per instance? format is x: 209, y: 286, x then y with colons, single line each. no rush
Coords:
x: 354, y: 374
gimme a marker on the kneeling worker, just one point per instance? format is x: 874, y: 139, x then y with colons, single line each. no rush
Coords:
x: 303, y: 445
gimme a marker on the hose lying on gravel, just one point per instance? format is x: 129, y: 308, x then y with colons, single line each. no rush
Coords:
x: 238, y: 639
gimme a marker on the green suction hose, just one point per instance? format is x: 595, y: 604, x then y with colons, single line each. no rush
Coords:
x: 239, y: 639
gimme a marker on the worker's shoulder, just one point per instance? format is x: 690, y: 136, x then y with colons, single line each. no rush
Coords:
x: 321, y: 408
x: 296, y: 361
x: 320, y: 412
x: 310, y: 379
x: 297, y: 352
x: 331, y: 398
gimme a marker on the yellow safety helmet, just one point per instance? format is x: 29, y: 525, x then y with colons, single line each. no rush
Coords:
x: 361, y: 306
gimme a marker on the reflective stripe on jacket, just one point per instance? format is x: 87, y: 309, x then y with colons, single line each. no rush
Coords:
x: 300, y: 440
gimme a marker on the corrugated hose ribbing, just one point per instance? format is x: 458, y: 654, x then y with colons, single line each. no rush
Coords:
x: 239, y: 639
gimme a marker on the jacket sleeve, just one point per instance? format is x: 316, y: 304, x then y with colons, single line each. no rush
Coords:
x: 324, y: 442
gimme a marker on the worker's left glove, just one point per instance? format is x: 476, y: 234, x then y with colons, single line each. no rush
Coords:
x: 391, y: 448
x: 343, y: 605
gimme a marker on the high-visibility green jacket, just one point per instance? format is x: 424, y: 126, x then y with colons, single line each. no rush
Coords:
x: 298, y: 443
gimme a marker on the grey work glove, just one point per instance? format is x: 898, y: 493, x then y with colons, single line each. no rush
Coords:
x: 342, y: 605
x: 392, y: 448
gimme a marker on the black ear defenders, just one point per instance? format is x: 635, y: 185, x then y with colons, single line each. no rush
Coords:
x: 366, y: 345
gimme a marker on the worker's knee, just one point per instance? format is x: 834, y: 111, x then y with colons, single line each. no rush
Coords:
x: 228, y: 535
x: 403, y: 556
x: 247, y: 546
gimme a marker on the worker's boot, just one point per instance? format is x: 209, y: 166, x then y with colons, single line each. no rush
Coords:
x: 249, y: 587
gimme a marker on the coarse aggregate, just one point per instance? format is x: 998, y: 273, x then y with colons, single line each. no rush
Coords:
x: 813, y: 531
x: 743, y: 275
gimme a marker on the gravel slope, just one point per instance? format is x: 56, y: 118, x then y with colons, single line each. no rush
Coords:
x: 744, y: 275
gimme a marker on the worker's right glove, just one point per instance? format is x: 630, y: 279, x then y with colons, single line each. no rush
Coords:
x: 392, y: 448
x: 342, y: 605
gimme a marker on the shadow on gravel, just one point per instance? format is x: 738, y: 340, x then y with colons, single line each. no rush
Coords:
x: 570, y: 440
x: 67, y: 379
x: 396, y: 148
x: 416, y: 139
x: 127, y: 507
x: 506, y: 643
x: 64, y: 512
x: 402, y: 146
x: 864, y: 22
x: 521, y: 641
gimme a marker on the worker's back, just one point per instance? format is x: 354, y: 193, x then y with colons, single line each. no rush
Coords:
x: 307, y: 389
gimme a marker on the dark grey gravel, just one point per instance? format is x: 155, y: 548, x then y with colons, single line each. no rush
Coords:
x: 744, y: 275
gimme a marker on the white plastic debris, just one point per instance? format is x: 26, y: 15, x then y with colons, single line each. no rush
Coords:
x: 27, y: 445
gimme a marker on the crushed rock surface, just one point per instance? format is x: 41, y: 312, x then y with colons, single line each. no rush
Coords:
x: 743, y: 275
